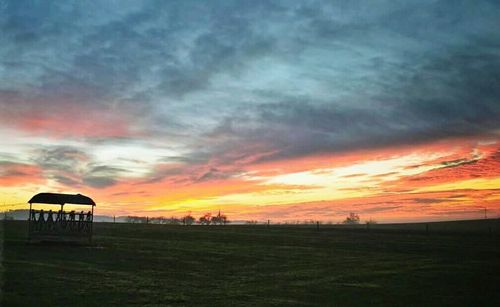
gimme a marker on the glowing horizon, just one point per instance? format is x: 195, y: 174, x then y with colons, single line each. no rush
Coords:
x: 454, y: 179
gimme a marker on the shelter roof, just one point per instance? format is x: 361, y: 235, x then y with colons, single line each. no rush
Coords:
x: 61, y: 199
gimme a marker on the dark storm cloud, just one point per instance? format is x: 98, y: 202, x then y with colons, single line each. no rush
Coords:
x: 248, y: 81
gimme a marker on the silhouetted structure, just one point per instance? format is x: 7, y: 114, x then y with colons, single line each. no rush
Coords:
x: 65, y: 225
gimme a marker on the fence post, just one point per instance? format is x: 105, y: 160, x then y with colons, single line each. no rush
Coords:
x: 317, y: 225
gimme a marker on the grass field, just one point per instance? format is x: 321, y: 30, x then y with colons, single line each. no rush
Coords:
x: 157, y: 265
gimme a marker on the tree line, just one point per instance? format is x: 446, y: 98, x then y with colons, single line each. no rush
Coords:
x: 206, y: 219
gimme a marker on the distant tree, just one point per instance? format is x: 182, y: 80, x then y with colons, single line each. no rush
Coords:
x: 371, y: 222
x: 352, y: 219
x: 188, y: 220
x: 173, y: 221
x: 205, y: 219
x: 251, y: 222
x: 215, y: 220
x: 219, y: 219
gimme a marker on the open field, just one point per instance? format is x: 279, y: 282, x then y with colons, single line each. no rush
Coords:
x: 255, y: 265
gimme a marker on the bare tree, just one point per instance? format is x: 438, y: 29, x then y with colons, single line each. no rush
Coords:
x: 205, y: 219
x: 219, y: 219
x: 352, y: 219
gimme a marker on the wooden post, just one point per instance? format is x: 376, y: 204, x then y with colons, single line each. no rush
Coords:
x: 114, y: 219
x: 317, y: 225
x: 91, y: 225
x: 29, y: 224
x: 268, y: 223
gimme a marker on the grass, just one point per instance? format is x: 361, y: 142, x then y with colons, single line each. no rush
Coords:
x: 157, y: 265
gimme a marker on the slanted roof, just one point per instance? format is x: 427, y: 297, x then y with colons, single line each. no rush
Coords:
x: 61, y: 199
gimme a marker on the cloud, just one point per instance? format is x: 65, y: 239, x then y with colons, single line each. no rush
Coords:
x: 217, y: 87
x: 19, y: 174
x: 102, y: 176
x: 61, y: 158
x: 486, y: 166
x: 74, y: 167
x: 99, y: 181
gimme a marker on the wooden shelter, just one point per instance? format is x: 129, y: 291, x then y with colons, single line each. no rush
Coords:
x: 60, y: 225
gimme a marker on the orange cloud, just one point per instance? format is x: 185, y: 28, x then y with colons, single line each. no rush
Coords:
x: 448, y: 179
x: 452, y: 169
x: 17, y: 174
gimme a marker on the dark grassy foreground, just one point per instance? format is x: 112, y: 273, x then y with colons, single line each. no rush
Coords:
x: 252, y: 265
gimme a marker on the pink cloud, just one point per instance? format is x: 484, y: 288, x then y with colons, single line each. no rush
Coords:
x: 69, y: 119
x: 18, y: 174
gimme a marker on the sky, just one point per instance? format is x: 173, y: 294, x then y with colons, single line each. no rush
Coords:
x: 280, y: 110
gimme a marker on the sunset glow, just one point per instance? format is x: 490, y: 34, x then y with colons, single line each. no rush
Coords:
x: 265, y: 112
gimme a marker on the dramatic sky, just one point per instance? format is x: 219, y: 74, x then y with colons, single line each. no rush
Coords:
x: 281, y: 110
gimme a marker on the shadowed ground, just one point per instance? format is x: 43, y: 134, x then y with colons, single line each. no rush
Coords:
x: 252, y: 265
